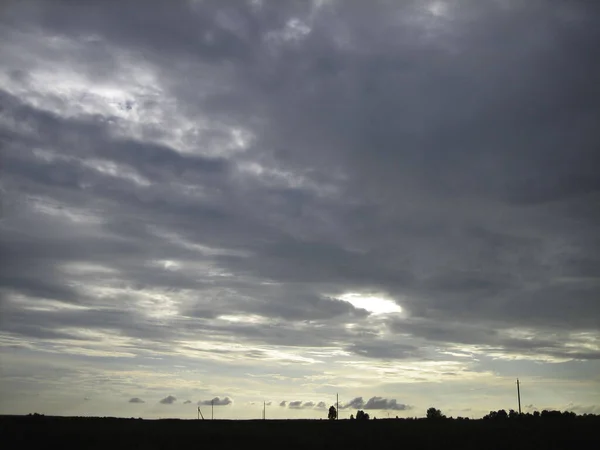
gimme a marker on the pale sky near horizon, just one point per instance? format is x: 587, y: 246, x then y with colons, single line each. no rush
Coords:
x: 279, y: 201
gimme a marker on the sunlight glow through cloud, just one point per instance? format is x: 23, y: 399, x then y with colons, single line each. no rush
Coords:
x: 437, y: 8
x: 372, y: 303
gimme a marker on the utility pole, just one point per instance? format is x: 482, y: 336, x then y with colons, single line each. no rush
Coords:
x: 337, y: 406
x: 200, y: 414
x: 212, y: 410
x: 519, y: 395
x: 264, y: 410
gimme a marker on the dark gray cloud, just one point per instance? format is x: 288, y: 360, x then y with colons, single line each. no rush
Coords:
x: 247, y: 167
x: 187, y: 402
x: 217, y: 401
x: 385, y: 349
x: 375, y: 403
x: 299, y: 404
x: 136, y: 400
x: 549, y: 342
x: 169, y: 400
x: 384, y: 403
x: 355, y: 403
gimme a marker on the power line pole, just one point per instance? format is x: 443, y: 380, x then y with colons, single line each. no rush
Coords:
x: 212, y: 410
x: 519, y: 395
x: 200, y: 414
x: 264, y: 410
x: 337, y: 406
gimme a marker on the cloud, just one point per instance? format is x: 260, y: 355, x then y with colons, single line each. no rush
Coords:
x: 355, y: 403
x: 375, y: 403
x: 217, y: 401
x: 169, y: 400
x: 187, y: 402
x: 384, y: 403
x: 299, y: 404
x: 283, y: 404
x: 325, y: 151
x: 581, y: 409
x: 383, y: 349
x: 550, y: 344
x: 136, y: 400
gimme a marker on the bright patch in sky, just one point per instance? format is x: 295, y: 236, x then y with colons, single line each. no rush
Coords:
x: 372, y: 303
x: 437, y: 8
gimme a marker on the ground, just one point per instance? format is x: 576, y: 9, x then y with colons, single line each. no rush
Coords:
x: 112, y: 433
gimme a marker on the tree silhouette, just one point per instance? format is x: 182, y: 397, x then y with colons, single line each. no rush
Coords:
x: 433, y: 413
x: 497, y: 415
x: 361, y: 415
x: 514, y: 415
x: 332, y: 413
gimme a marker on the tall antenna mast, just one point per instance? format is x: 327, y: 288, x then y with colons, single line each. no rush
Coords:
x: 212, y: 409
x: 264, y: 410
x: 519, y: 395
x: 337, y: 406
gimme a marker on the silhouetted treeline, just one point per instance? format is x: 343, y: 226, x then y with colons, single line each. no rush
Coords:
x: 552, y: 430
x: 545, y: 414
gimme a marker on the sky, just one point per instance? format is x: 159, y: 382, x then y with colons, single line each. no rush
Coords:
x: 242, y: 202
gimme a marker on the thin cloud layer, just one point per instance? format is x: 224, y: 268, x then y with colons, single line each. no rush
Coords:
x: 191, y: 194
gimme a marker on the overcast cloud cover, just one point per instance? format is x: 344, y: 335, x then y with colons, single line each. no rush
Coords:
x: 278, y: 201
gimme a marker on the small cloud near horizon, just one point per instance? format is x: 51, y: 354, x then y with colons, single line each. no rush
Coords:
x: 299, y: 404
x: 217, y: 401
x: 376, y: 403
x: 169, y: 400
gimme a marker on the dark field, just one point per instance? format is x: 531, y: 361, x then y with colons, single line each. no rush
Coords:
x: 109, y: 433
